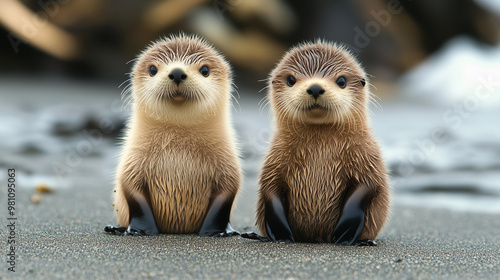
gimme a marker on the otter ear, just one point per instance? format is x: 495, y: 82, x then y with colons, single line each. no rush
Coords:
x: 363, y: 82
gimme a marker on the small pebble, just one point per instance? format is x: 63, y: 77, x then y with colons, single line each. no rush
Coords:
x: 42, y: 188
x: 36, y: 199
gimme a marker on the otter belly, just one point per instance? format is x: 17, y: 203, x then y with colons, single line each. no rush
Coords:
x: 314, y: 204
x: 180, y: 189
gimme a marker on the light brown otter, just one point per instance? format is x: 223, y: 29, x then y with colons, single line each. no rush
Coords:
x: 179, y: 171
x: 324, y: 179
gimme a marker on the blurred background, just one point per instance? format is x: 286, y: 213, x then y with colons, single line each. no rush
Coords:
x: 435, y: 69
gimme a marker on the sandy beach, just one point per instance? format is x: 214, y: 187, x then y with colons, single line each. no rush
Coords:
x: 61, y: 236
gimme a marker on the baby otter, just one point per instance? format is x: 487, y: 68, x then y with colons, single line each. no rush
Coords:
x: 324, y: 179
x: 179, y: 171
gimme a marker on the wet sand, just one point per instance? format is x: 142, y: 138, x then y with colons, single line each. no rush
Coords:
x: 62, y: 238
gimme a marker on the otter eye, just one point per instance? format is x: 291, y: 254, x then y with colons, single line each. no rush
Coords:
x: 290, y: 80
x: 152, y: 70
x: 363, y: 82
x: 204, y: 71
x: 341, y: 82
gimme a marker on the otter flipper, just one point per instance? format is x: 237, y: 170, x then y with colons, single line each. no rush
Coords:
x: 276, y: 222
x: 115, y: 230
x: 277, y: 226
x: 141, y: 219
x: 255, y: 236
x: 352, y: 218
x: 216, y: 221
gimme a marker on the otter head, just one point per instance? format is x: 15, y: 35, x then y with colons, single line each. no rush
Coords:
x: 181, y: 79
x: 318, y: 83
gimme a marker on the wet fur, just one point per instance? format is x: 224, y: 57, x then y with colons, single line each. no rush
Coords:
x: 316, y: 161
x: 180, y: 156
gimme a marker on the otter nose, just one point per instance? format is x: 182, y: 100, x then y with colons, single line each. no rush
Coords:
x: 177, y: 75
x: 315, y: 91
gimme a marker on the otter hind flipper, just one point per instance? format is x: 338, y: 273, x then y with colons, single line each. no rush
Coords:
x: 352, y: 218
x: 117, y: 230
x: 276, y: 221
x: 141, y: 219
x: 216, y: 223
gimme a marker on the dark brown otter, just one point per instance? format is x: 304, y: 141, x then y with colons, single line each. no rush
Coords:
x: 324, y: 179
